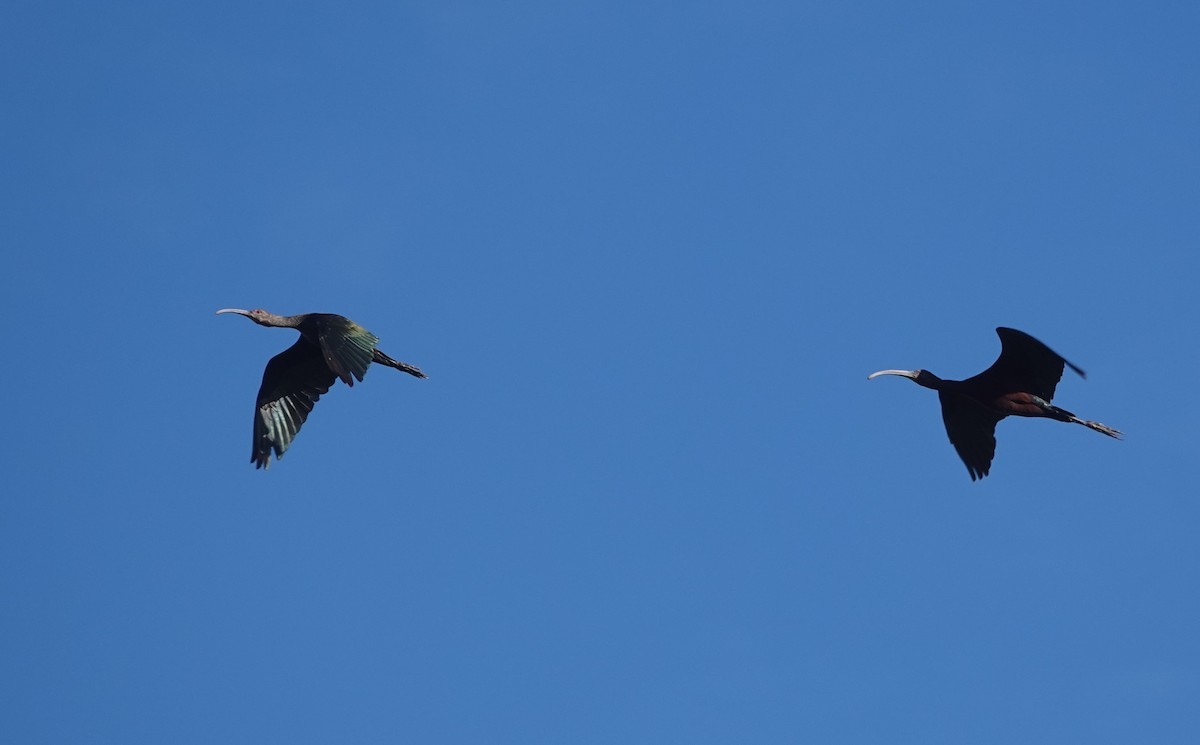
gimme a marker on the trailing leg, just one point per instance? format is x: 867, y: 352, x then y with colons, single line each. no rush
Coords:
x: 383, y: 359
x: 1062, y: 415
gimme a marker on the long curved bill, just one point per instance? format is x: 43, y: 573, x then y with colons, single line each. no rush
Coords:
x: 233, y: 310
x: 912, y: 374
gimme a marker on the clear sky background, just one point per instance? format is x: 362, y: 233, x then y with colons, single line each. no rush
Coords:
x: 648, y: 253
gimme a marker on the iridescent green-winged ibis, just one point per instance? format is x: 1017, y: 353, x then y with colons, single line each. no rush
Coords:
x: 329, y: 347
x: 1020, y: 382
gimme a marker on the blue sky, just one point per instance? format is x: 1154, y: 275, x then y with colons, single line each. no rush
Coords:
x: 647, y: 254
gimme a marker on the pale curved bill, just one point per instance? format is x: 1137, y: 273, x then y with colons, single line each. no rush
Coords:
x: 905, y: 373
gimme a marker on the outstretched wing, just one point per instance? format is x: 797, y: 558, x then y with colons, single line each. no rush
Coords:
x: 347, y: 347
x: 1025, y: 364
x: 293, y: 381
x: 972, y: 431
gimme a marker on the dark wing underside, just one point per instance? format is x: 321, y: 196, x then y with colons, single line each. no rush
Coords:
x: 1025, y: 364
x: 972, y: 431
x: 347, y: 347
x: 293, y: 381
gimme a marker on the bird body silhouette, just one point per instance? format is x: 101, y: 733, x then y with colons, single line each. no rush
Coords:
x: 1021, y: 382
x: 330, y: 347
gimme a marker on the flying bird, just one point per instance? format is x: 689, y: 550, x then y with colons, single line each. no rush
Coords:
x: 1020, y: 382
x: 330, y: 347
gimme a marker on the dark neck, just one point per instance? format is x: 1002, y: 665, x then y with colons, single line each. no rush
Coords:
x: 929, y: 380
x: 287, y: 322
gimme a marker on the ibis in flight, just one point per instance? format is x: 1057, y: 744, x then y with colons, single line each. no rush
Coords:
x: 1020, y: 382
x: 330, y: 347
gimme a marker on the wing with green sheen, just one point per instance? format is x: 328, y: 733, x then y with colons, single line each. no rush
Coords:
x: 293, y: 381
x: 347, y: 347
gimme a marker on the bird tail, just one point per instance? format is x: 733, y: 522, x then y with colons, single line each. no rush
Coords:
x: 383, y: 359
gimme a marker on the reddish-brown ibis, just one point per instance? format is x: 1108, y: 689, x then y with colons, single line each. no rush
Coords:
x: 330, y: 347
x: 1020, y: 382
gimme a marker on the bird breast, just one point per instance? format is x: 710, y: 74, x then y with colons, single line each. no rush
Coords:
x: 1018, y: 403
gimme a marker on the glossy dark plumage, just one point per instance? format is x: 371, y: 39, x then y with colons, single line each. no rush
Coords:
x: 1021, y: 382
x: 330, y: 347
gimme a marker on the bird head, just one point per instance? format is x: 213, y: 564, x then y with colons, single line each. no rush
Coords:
x: 920, y: 377
x: 258, y: 315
